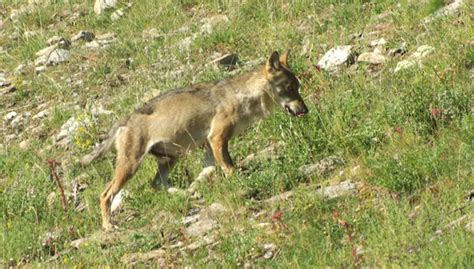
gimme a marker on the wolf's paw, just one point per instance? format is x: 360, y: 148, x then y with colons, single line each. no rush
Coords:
x: 109, y: 227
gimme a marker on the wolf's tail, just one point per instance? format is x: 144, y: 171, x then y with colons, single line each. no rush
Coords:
x: 105, y: 146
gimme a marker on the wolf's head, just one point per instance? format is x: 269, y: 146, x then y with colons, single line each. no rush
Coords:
x: 284, y: 85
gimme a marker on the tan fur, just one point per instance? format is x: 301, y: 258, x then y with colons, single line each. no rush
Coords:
x: 206, y: 114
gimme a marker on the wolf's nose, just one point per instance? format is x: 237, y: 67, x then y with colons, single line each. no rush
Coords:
x: 304, y: 111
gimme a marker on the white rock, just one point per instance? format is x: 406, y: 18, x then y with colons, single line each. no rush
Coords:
x: 15, y: 123
x: 101, y: 5
x: 58, y: 56
x: 67, y: 129
x: 93, y: 45
x: 470, y: 227
x: 40, y: 69
x: 334, y: 191
x: 445, y: 11
x: 10, y: 116
x: 41, y: 114
x: 41, y: 60
x: 415, y: 58
x: 24, y: 144
x: 47, y: 51
x: 371, y: 58
x: 269, y: 251
x: 117, y: 14
x: 201, y: 227
x: 379, y: 42
x: 335, y: 57
x: 20, y: 69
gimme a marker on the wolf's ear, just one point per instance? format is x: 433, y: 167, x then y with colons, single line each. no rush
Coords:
x: 273, y: 63
x: 284, y: 59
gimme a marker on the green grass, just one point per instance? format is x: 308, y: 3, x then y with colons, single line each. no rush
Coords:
x: 410, y: 133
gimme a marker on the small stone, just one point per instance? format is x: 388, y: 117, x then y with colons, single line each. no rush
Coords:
x: 40, y: 69
x: 93, y: 45
x: 414, y: 59
x: 41, y: 60
x: 78, y: 243
x: 41, y: 114
x: 58, y: 56
x: 106, y: 36
x: 117, y: 14
x: 16, y: 122
x: 24, y: 144
x: 470, y: 227
x: 8, y: 89
x: 377, y: 43
x: 217, y: 209
x: 321, y: 168
x: 371, y: 58
x: 334, y: 191
x: 10, y: 116
x: 47, y: 51
x: 335, y: 57
x: 20, y: 69
x: 101, y: 5
x: 269, y: 251
x: 201, y: 227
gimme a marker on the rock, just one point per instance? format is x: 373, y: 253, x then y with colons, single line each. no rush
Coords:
x: 470, y: 227
x: 216, y: 209
x: 58, y: 56
x: 191, y: 219
x: 151, y: 34
x: 201, y: 227
x: 131, y: 259
x: 269, y: 250
x: 206, y: 240
x: 377, y: 43
x: 41, y: 60
x: 414, y: 59
x: 321, y: 168
x: 117, y: 14
x: 47, y: 51
x: 78, y: 243
x: 101, y: 5
x: 371, y: 58
x: 106, y: 36
x: 210, y: 23
x: 334, y: 191
x: 84, y: 35
x: 8, y: 89
x: 42, y: 114
x: 24, y: 144
x: 10, y: 116
x: 93, y: 45
x: 335, y: 57
x: 67, y: 130
x: 279, y: 197
x: 40, y: 69
x: 20, y: 69
x: 448, y: 10
x: 16, y: 122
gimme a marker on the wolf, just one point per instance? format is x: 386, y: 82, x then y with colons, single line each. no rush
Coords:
x: 201, y: 115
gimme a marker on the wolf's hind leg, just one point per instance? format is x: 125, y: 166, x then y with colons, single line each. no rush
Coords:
x: 165, y: 164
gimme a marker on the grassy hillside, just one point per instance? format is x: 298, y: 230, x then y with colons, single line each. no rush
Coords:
x: 404, y: 138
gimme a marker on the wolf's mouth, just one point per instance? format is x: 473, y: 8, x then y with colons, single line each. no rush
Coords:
x: 291, y: 112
